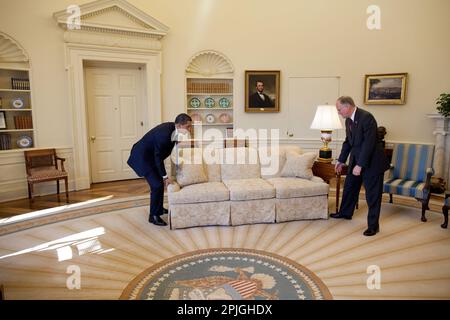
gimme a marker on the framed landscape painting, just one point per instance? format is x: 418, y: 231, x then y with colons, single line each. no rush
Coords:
x: 385, y: 88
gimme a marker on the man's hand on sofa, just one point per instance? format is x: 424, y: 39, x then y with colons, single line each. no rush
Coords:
x: 167, y: 181
x: 173, y: 187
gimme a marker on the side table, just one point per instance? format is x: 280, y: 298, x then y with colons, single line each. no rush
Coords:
x: 325, y: 170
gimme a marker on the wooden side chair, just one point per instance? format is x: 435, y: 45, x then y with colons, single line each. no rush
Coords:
x: 42, y: 165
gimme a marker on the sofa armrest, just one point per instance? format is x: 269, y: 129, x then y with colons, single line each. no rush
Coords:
x: 317, y: 179
x: 173, y: 187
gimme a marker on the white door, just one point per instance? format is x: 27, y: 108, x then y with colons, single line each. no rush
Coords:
x: 115, y: 115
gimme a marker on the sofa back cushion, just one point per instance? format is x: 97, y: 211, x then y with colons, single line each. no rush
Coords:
x: 240, y: 163
x: 188, y: 174
x: 273, y: 159
x: 190, y: 158
x: 299, y: 165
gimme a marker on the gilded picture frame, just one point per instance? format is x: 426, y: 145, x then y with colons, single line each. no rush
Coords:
x: 262, y: 91
x: 388, y: 88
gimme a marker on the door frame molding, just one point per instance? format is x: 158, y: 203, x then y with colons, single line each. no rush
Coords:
x: 76, y: 55
x: 140, y: 90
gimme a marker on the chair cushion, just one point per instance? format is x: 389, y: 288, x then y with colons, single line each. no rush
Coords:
x: 299, y: 165
x: 249, y: 189
x: 202, y: 192
x: 296, y: 188
x: 44, y: 173
x: 408, y: 188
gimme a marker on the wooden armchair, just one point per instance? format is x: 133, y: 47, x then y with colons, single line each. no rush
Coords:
x: 42, y: 165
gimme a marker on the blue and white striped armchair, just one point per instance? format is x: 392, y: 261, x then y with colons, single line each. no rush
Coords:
x: 411, y: 172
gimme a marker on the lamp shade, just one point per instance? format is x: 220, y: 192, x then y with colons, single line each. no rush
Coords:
x: 326, y: 118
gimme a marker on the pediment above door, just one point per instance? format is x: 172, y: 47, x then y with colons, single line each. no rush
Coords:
x: 111, y: 23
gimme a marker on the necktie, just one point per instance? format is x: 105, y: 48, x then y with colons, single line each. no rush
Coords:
x: 350, y: 124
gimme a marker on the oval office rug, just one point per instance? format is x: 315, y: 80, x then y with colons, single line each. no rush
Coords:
x: 227, y: 274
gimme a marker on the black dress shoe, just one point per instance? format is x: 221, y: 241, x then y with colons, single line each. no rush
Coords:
x: 157, y: 221
x: 340, y: 216
x: 371, y: 232
x: 165, y: 211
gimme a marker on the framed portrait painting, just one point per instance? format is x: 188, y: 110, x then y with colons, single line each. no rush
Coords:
x: 262, y: 91
x: 385, y: 88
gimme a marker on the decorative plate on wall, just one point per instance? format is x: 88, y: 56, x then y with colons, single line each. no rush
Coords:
x: 17, y: 103
x: 195, y: 117
x: 210, y: 103
x: 225, y: 118
x: 195, y: 103
x: 224, y: 103
x: 24, y: 142
x: 210, y: 118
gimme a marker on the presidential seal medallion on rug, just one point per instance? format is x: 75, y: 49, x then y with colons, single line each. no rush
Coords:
x: 227, y: 274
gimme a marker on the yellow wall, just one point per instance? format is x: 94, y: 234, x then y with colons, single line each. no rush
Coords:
x: 302, y: 38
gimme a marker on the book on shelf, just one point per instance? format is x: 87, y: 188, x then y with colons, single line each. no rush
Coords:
x: 20, y: 84
x: 23, y: 122
x: 5, y: 141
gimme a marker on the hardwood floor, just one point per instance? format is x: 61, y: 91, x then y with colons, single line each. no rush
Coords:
x: 118, y: 189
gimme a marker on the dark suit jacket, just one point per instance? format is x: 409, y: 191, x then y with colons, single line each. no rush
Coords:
x: 149, y: 152
x: 363, y: 145
x: 257, y: 102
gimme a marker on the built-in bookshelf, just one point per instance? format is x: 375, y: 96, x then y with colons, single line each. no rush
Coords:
x: 209, y: 95
x: 16, y: 114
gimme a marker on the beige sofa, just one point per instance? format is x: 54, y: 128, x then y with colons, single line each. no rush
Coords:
x: 241, y: 191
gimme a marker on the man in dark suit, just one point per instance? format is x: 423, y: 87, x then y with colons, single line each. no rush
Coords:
x: 147, y: 160
x: 260, y: 99
x: 367, y: 163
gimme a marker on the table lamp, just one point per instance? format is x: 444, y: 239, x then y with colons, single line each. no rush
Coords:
x: 326, y: 120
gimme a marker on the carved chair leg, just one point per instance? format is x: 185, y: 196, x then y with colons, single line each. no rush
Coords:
x: 425, y: 207
x: 66, y: 182
x: 29, y: 191
x: 57, y: 187
x: 390, y: 198
x: 445, y: 213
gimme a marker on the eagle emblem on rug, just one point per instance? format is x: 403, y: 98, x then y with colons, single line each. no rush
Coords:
x: 219, y: 287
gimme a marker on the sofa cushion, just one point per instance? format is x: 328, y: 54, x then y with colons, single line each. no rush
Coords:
x: 202, y: 192
x: 299, y: 165
x: 209, y: 157
x: 240, y: 163
x: 249, y: 189
x: 297, y: 187
x: 273, y: 159
x: 188, y: 174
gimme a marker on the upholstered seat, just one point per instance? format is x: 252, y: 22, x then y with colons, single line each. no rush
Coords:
x: 249, y: 189
x: 286, y: 188
x: 202, y: 192
x: 411, y: 172
x: 44, y: 173
x: 42, y: 166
